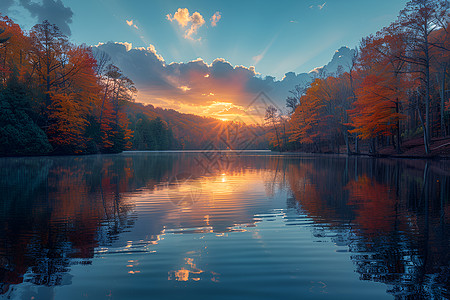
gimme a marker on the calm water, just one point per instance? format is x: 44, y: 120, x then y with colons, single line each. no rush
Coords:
x: 223, y: 226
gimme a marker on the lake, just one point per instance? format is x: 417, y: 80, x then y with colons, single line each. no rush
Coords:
x: 223, y: 225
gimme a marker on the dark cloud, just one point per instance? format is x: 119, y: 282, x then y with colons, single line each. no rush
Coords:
x: 197, y: 83
x: 52, y: 10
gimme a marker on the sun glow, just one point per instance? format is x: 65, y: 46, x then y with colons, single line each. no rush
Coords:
x: 184, y: 88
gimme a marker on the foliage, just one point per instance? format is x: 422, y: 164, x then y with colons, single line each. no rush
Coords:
x: 19, y: 134
x: 54, y: 93
x: 394, y: 87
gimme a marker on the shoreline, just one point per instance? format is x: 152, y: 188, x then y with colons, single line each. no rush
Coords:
x: 265, y: 151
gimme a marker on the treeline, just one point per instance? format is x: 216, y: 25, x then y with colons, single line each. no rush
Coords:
x: 60, y: 98
x: 193, y: 132
x: 396, y: 88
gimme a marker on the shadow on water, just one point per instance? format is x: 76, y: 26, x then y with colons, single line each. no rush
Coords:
x: 394, y: 216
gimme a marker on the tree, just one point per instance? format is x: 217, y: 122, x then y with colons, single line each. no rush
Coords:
x: 49, y: 46
x: 306, y: 122
x: 294, y: 100
x: 376, y: 110
x: 440, y: 66
x: 117, y: 91
x: 73, y: 101
x: 14, y: 48
x: 19, y: 134
x: 382, y: 90
x: 419, y: 20
x: 272, y: 117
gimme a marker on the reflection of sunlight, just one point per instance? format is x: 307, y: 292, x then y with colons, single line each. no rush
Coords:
x: 132, y: 264
x: 191, y: 272
x: 184, y: 274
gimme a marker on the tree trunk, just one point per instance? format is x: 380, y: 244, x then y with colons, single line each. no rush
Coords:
x: 425, y: 139
x: 346, y: 142
x: 427, y: 97
x: 442, y: 95
x: 398, y: 128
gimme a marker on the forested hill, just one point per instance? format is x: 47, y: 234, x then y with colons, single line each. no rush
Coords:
x: 159, y: 129
x: 59, y: 98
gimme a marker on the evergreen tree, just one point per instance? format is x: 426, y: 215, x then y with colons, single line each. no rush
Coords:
x: 19, y: 134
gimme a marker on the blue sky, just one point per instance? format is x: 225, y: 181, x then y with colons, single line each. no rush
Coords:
x: 284, y: 35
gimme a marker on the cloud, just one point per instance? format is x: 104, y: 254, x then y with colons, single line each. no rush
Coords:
x: 210, y: 89
x: 321, y: 6
x: 259, y: 57
x: 215, y: 19
x: 128, y: 46
x: 131, y: 23
x: 181, y: 16
x: 185, y: 19
x: 52, y: 10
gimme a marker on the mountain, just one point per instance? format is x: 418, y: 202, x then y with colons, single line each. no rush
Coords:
x: 196, y: 132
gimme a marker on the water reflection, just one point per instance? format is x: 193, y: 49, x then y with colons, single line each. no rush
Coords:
x: 391, y: 216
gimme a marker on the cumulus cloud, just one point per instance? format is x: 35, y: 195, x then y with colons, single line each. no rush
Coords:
x: 128, y: 46
x: 218, y: 89
x: 181, y: 16
x: 52, y: 10
x: 191, y: 23
x: 215, y: 18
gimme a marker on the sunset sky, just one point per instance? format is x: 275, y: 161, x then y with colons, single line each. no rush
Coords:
x: 266, y: 38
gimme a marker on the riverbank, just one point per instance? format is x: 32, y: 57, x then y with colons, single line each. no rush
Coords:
x: 415, y: 148
x: 410, y: 149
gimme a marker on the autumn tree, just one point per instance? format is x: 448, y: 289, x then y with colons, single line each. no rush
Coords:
x: 49, y: 46
x: 74, y: 101
x: 273, y: 120
x: 117, y: 91
x: 382, y: 90
x: 14, y: 47
x: 419, y: 20
x: 440, y: 67
x: 306, y: 121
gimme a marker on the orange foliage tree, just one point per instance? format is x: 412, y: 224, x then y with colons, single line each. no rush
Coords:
x: 378, y: 108
x: 73, y: 101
